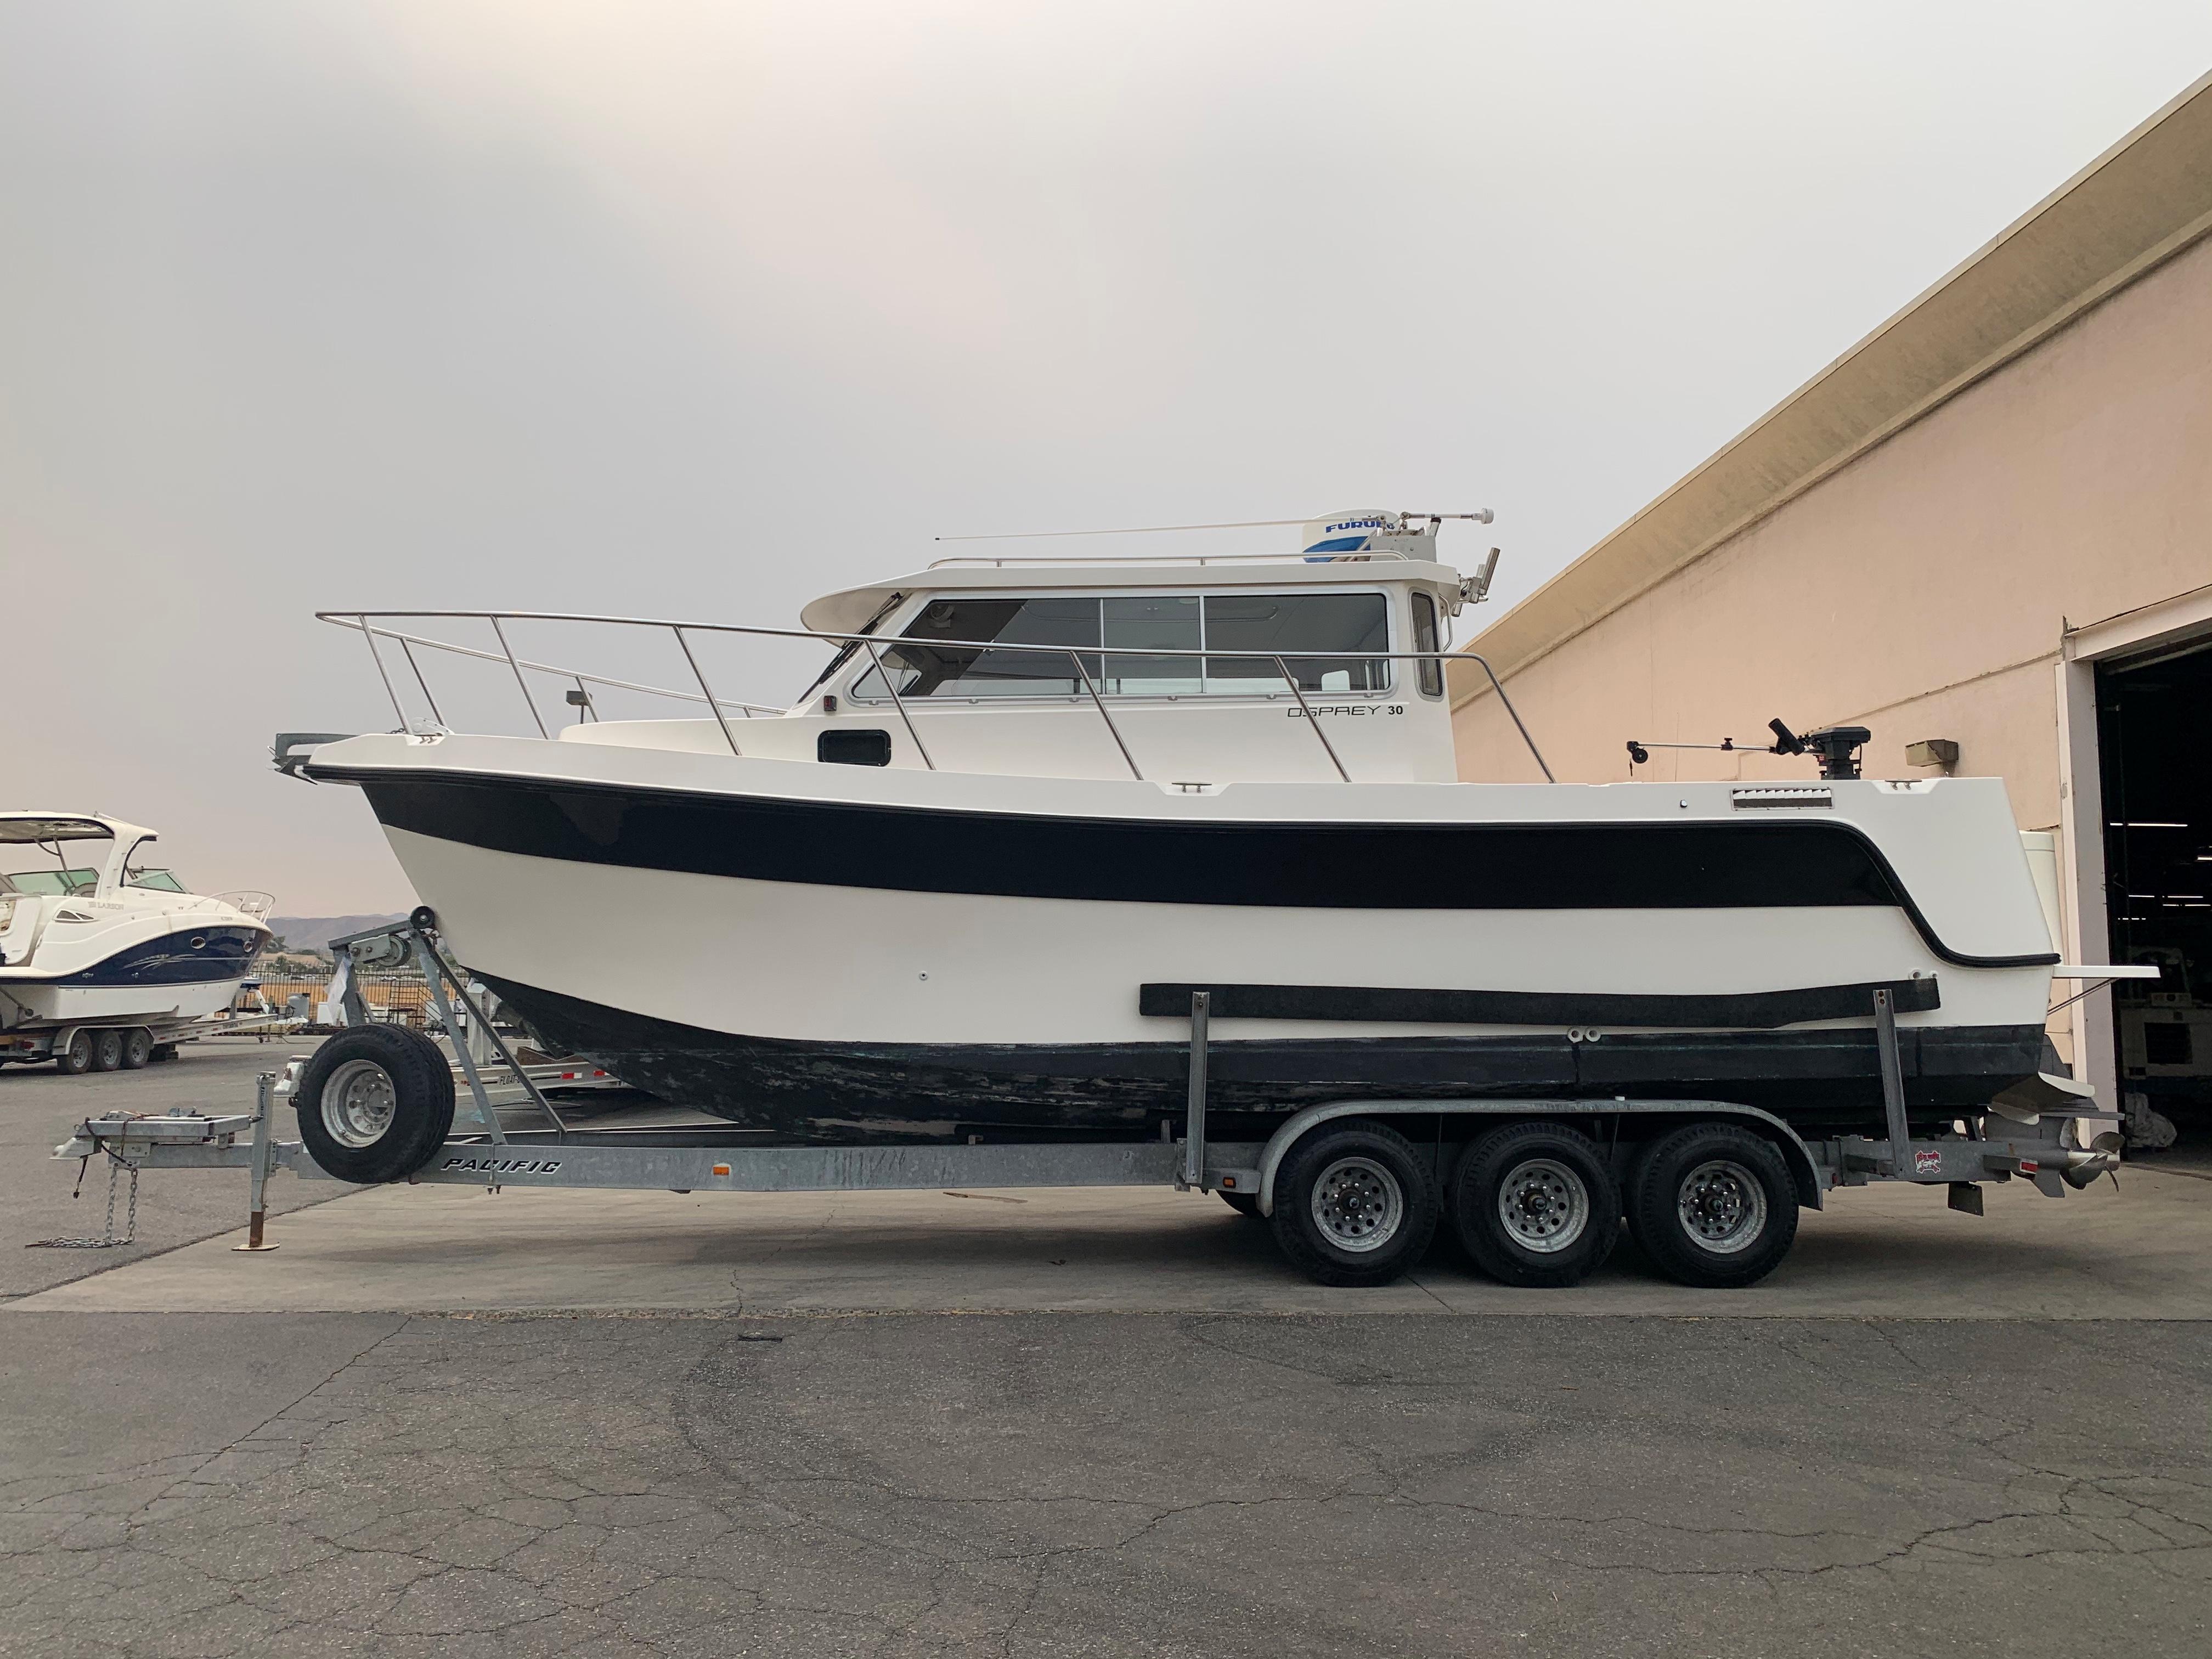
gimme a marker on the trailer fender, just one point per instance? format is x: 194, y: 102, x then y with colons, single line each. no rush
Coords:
x: 1804, y: 1173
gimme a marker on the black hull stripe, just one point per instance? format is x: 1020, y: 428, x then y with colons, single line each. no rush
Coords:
x: 1448, y: 866
x: 227, y: 953
x: 1757, y: 1010
x: 1820, y: 1081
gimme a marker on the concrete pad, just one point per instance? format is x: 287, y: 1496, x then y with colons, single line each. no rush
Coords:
x: 40, y: 1108
x: 2143, y: 1252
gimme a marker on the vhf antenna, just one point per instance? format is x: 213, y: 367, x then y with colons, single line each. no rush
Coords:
x: 1486, y: 516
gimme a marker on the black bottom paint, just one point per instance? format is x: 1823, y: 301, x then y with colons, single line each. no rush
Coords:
x: 1824, y: 1082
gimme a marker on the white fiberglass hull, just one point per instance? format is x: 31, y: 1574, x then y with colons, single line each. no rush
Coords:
x: 45, y: 1006
x: 832, y: 951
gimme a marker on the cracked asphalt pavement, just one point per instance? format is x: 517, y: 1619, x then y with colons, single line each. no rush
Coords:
x: 252, y: 1484
x: 648, y: 1483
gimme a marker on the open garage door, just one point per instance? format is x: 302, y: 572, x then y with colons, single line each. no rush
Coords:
x: 2155, y: 737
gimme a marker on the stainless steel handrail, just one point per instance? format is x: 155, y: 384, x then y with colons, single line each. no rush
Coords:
x: 706, y: 690
x: 1306, y: 709
x: 408, y: 652
x: 905, y: 719
x: 536, y: 719
x: 360, y: 619
x: 1014, y: 561
x: 342, y: 619
x: 1098, y: 703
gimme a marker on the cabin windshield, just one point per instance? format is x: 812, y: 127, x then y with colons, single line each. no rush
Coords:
x: 32, y: 859
x: 1117, y: 639
x: 161, y: 881
x: 61, y: 882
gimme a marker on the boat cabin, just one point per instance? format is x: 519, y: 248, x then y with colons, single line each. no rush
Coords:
x: 40, y: 855
x: 1191, y: 672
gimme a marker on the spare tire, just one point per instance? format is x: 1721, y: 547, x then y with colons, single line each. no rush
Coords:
x: 375, y: 1103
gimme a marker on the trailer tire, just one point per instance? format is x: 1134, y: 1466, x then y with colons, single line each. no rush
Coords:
x: 73, y: 1058
x: 1713, y: 1206
x: 1245, y: 1204
x: 163, y: 1053
x: 137, y: 1047
x: 1355, y: 1204
x: 375, y: 1103
x: 1536, y: 1205
x: 107, y: 1049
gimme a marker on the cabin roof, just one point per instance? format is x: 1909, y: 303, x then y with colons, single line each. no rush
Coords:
x: 23, y: 826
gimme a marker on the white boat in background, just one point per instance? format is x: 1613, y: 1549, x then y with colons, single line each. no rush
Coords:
x: 106, y: 959
x: 967, y: 882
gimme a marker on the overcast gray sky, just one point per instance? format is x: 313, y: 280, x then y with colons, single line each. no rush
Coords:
x: 701, y: 309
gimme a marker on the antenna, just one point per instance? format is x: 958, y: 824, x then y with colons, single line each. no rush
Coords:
x: 1139, y: 530
x: 1484, y: 516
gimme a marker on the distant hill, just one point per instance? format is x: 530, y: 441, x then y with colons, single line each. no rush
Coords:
x: 315, y: 932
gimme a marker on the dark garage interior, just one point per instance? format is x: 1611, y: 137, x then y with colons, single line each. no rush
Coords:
x: 2155, y: 732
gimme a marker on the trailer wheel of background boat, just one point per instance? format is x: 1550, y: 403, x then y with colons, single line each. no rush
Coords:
x: 137, y: 1047
x: 1534, y: 1205
x: 107, y: 1050
x: 375, y: 1102
x: 1355, y: 1204
x: 1713, y: 1206
x: 1245, y: 1204
x: 163, y: 1053
x: 73, y: 1058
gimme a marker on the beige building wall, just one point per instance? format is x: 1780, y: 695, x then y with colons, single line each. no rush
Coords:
x: 1936, y: 537
x: 1925, y: 589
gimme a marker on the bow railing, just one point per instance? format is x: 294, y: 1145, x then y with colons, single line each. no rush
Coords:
x: 374, y: 625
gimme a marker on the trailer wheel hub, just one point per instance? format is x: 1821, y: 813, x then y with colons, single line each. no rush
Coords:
x: 1358, y: 1205
x: 1722, y: 1207
x: 1543, y: 1205
x: 358, y: 1104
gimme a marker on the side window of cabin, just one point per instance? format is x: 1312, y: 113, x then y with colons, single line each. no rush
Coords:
x: 1425, y: 639
x: 1030, y: 648
x: 1168, y: 622
x: 1283, y: 625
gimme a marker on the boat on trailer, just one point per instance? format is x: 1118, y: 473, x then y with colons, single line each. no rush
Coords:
x: 966, y: 885
x: 106, y: 961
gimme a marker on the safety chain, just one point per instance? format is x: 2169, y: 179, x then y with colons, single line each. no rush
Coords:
x: 108, y: 1240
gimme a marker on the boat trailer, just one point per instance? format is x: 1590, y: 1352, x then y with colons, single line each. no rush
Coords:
x: 2030, y: 1136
